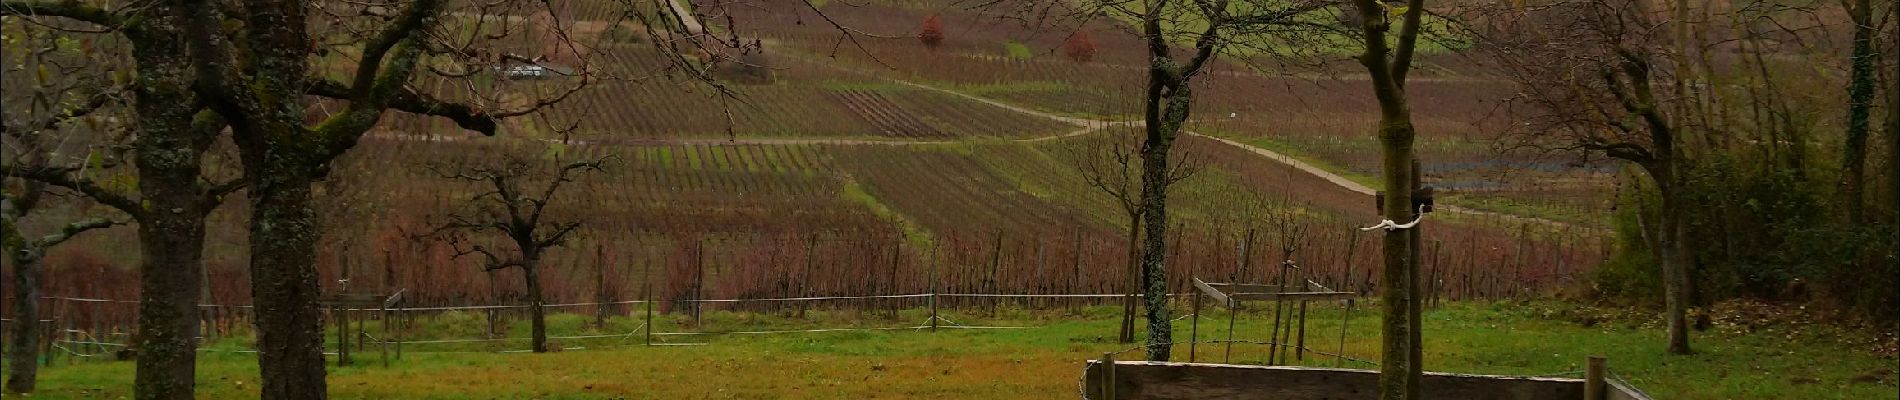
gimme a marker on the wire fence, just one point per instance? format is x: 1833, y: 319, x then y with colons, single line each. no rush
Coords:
x: 412, y: 329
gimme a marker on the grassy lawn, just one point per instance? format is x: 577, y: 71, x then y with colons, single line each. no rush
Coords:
x: 1043, y: 362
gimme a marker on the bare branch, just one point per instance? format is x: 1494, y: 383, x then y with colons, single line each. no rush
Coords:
x: 74, y: 229
x: 69, y: 9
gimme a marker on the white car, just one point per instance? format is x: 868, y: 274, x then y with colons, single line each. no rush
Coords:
x: 529, y: 71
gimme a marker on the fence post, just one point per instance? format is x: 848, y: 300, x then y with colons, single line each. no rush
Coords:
x: 1343, y: 322
x: 699, y: 280
x: 383, y: 314
x: 342, y: 335
x: 933, y: 287
x: 1593, y: 386
x: 1108, y: 376
x: 1299, y: 345
x: 989, y: 279
x: 648, y: 291
x: 1431, y: 284
x: 600, y: 285
x: 890, y: 281
x: 1194, y: 328
x: 399, y: 315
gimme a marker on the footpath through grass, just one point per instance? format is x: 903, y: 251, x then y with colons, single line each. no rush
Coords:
x: 1036, y: 363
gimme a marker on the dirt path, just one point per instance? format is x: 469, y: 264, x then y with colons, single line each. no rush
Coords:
x: 1084, y: 126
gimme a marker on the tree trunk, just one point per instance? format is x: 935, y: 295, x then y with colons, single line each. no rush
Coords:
x: 23, y: 341
x: 284, y: 284
x: 1414, y: 303
x: 1675, y: 255
x: 537, y: 316
x: 1154, y: 193
x: 172, y: 227
x: 171, y: 241
x: 1134, y: 279
x: 1860, y: 98
x: 1397, y: 376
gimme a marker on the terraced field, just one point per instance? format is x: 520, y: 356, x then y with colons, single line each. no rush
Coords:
x: 874, y: 163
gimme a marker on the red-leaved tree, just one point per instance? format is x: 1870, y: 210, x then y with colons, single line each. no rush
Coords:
x: 932, y: 34
x: 1080, y: 47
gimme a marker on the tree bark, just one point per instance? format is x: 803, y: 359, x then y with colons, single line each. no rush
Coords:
x: 1154, y: 190
x: 1675, y: 257
x: 1860, y: 98
x: 536, y: 315
x: 23, y: 340
x: 284, y: 283
x: 1400, y: 366
x: 1134, y: 279
x: 172, y: 225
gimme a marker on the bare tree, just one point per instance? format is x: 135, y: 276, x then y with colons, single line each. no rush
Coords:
x: 1589, y: 73
x: 49, y: 97
x: 201, y: 66
x: 507, y: 207
x: 1258, y: 28
x: 1110, y: 166
x: 1860, y: 102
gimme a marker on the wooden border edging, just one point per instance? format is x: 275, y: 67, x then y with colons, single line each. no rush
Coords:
x: 1136, y: 380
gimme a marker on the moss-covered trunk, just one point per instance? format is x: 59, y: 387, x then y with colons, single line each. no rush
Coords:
x: 284, y: 286
x: 1168, y: 105
x: 1154, y: 247
x: 23, y: 339
x: 1860, y: 99
x: 172, y: 228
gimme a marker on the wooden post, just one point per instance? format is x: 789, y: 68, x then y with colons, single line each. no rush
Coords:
x: 384, y: 314
x: 699, y: 279
x: 804, y: 278
x: 1233, y: 309
x: 647, y: 289
x: 1279, y: 305
x: 399, y: 318
x: 933, y: 288
x: 890, y: 281
x: 1075, y: 275
x: 989, y: 279
x: 1108, y: 376
x: 342, y: 335
x: 71, y: 318
x: 48, y: 334
x: 1433, y: 284
x: 1343, y: 322
x: 1194, y: 328
x: 600, y: 286
x: 98, y: 327
x: 1593, y: 386
x: 1299, y: 346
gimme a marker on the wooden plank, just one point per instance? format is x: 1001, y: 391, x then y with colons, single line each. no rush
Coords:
x: 352, y: 300
x: 1621, y: 391
x: 1210, y: 291
x: 1295, y: 296
x: 1136, y: 380
x: 1245, y: 287
x: 394, y: 299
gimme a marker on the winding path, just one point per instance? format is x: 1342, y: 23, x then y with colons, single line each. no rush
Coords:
x: 1084, y: 126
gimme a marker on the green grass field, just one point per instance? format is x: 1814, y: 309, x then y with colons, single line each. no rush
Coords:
x: 1043, y: 362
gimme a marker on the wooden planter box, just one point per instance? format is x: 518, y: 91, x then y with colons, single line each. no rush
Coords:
x: 1170, y: 380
